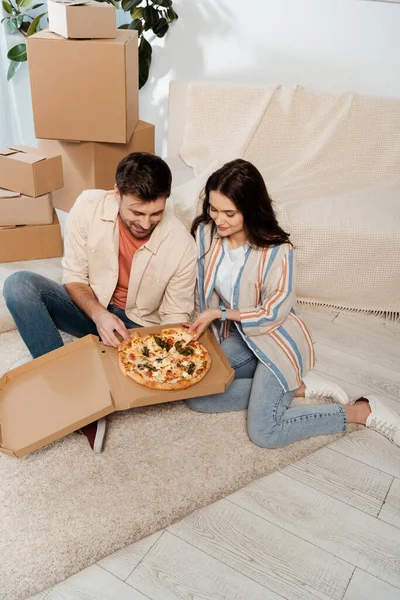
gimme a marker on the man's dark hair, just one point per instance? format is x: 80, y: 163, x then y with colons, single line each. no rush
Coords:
x: 143, y: 175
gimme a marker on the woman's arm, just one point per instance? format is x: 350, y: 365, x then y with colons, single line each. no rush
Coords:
x: 205, y: 319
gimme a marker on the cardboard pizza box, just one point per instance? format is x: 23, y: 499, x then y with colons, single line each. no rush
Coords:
x: 28, y: 171
x: 82, y: 19
x: 68, y: 388
x: 17, y: 209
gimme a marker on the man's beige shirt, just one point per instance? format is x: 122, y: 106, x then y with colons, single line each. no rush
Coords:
x: 163, y: 272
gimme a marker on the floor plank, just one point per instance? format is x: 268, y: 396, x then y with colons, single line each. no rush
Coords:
x: 324, y: 315
x: 173, y: 569
x: 375, y: 378
x: 94, y: 583
x: 343, y: 478
x: 390, y: 512
x: 238, y: 554
x: 122, y: 562
x: 267, y: 554
x: 355, y: 343
x: 350, y: 534
x: 379, y: 327
x: 370, y: 448
x: 364, y: 586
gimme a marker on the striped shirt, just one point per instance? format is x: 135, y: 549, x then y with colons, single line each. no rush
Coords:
x: 264, y: 294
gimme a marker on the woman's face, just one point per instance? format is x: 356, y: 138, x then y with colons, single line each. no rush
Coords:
x: 228, y: 219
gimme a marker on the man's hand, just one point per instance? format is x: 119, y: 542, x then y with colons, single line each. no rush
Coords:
x: 106, y: 324
x: 203, y: 321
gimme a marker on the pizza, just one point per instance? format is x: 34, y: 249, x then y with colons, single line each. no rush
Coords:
x: 169, y: 360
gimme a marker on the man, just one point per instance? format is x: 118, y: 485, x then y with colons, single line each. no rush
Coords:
x: 126, y: 264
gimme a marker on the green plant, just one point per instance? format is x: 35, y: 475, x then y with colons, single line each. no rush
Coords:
x: 18, y: 19
x: 146, y: 16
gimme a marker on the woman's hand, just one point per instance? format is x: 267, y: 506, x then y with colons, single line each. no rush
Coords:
x: 203, y: 321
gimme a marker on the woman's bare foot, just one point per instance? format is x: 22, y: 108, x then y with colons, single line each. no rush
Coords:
x: 376, y: 415
x: 358, y: 412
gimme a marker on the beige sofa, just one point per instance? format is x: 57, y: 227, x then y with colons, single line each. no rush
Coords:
x: 332, y: 166
x: 348, y: 242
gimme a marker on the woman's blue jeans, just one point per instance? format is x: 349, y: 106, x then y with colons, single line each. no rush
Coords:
x: 270, y: 421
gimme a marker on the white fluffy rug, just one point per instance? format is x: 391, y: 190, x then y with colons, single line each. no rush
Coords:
x: 63, y: 507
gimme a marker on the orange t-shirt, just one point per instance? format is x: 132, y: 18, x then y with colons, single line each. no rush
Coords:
x: 127, y: 248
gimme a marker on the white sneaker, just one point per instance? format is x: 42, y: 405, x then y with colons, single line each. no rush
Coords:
x: 383, y: 420
x: 324, y: 390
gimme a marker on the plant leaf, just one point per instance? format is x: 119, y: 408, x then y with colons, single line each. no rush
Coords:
x: 24, y: 26
x: 127, y: 5
x: 7, y: 7
x: 124, y: 26
x: 12, y: 69
x: 163, y: 3
x: 151, y: 17
x: 137, y: 13
x: 26, y: 3
x: 144, y: 69
x: 11, y: 26
x: 17, y: 21
x: 172, y: 15
x: 145, y: 52
x: 161, y: 28
x: 34, y: 24
x: 17, y: 53
x: 136, y: 24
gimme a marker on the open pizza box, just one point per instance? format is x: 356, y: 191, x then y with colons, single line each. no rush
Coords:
x: 58, y: 393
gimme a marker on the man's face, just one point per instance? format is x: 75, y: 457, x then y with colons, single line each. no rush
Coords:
x: 141, y: 216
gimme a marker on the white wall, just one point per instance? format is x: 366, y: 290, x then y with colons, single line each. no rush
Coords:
x: 327, y: 45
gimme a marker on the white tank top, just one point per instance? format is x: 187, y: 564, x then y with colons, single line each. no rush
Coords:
x: 228, y: 271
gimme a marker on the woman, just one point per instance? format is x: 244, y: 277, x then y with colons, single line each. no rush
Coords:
x: 247, y: 294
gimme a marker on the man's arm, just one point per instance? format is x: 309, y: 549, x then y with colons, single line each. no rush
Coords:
x: 83, y: 296
x: 106, y: 322
x: 76, y: 276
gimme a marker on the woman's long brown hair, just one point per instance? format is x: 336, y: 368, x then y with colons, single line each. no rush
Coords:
x: 243, y: 184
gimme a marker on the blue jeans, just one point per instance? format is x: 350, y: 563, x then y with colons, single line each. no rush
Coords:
x: 270, y: 421
x: 41, y: 307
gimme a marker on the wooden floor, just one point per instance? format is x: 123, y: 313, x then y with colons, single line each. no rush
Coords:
x: 327, y: 527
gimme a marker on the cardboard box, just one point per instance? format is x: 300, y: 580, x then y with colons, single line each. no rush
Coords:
x: 28, y: 242
x: 84, y: 90
x: 92, y: 165
x: 82, y: 19
x: 17, y: 209
x: 28, y: 171
x: 68, y: 388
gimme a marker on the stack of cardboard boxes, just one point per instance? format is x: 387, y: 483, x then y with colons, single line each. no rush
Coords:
x: 29, y: 227
x: 85, y: 104
x: 85, y: 95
